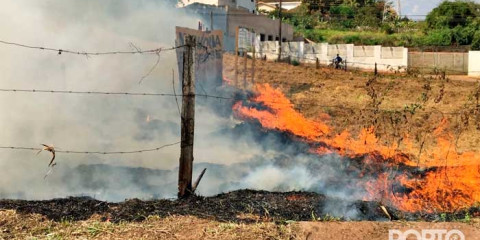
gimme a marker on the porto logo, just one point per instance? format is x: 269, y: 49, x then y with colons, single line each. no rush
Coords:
x: 430, y: 234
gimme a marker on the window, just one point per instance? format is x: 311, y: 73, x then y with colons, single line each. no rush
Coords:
x: 262, y: 37
x: 270, y: 38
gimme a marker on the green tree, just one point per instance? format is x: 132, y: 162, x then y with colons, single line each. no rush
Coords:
x: 452, y: 14
x: 343, y: 15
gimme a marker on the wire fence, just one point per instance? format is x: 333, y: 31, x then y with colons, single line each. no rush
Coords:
x: 92, y: 152
x: 237, y: 97
x: 89, y: 53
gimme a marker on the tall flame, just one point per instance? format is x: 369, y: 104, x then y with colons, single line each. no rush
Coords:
x: 445, y: 180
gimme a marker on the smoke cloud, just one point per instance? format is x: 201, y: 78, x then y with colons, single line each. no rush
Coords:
x: 237, y: 155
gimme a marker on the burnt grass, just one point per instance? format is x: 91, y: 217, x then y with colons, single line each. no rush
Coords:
x: 262, y: 205
x: 228, y: 207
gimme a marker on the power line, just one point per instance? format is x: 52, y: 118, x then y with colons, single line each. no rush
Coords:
x: 86, y: 53
x: 92, y: 152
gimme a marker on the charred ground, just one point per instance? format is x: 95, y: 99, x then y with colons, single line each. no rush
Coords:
x: 242, y: 206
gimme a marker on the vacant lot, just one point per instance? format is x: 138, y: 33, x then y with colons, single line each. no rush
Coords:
x: 396, y: 104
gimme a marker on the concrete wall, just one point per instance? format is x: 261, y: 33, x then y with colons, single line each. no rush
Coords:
x: 259, y: 23
x: 365, y: 57
x: 362, y: 57
x: 474, y: 63
x: 228, y: 19
x: 452, y: 62
x: 202, y: 12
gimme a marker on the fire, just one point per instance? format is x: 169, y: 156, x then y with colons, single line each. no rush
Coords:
x: 444, y: 179
x: 281, y: 115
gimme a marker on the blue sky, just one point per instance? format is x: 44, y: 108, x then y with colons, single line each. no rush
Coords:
x: 418, y: 7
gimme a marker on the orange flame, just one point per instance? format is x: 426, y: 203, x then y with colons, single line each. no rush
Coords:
x: 450, y: 180
x: 281, y: 116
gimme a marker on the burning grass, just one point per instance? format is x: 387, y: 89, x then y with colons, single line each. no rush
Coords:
x: 405, y: 165
x: 451, y: 180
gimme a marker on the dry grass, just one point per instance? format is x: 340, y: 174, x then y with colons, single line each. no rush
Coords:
x: 314, y: 91
x: 33, y: 226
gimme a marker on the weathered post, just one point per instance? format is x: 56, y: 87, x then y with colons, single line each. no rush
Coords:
x: 376, y: 71
x: 317, y: 63
x: 211, y: 20
x: 253, y: 59
x: 280, y: 32
x: 236, y: 56
x: 245, y: 70
x: 187, y: 118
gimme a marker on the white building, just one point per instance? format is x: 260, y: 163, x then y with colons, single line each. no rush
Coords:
x: 271, y: 5
x: 249, y: 5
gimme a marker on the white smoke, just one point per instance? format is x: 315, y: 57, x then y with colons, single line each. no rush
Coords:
x: 95, y: 122
x: 79, y: 122
x: 120, y: 123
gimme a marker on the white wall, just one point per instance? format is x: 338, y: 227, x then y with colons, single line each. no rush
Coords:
x: 474, y: 63
x: 288, y: 5
x: 362, y: 57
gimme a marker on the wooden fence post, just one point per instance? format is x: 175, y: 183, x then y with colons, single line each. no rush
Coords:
x: 187, y: 118
x: 236, y: 56
x: 253, y: 60
x: 245, y: 70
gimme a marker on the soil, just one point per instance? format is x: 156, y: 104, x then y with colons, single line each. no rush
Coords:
x: 34, y: 226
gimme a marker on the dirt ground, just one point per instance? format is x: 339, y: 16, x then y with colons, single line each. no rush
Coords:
x: 35, y: 226
x: 243, y: 214
x: 395, y: 103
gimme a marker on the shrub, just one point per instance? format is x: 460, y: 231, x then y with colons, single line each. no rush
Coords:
x: 441, y: 37
x: 352, y: 38
x: 476, y: 41
x: 388, y: 28
x: 463, y: 35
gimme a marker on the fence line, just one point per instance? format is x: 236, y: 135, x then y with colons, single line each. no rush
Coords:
x: 107, y: 93
x: 86, y: 53
x: 213, y: 97
x: 91, y: 152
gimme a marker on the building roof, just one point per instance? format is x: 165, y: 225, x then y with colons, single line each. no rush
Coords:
x: 287, y: 4
x: 277, y: 1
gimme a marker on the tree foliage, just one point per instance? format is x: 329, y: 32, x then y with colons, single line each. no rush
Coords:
x: 456, y: 21
x: 452, y: 14
x: 450, y: 23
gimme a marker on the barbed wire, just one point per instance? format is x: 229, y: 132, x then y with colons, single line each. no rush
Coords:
x: 206, y: 95
x: 92, y: 152
x: 107, y: 93
x: 86, y: 53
